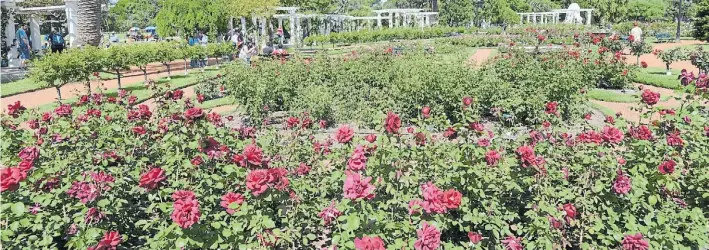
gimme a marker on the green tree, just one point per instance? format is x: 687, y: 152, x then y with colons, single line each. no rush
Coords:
x: 499, y: 11
x: 606, y: 10
x: 646, y: 10
x: 166, y: 53
x: 456, y: 12
x: 701, y: 21
x: 118, y: 58
x: 134, y: 13
x: 57, y: 69
x: 177, y: 17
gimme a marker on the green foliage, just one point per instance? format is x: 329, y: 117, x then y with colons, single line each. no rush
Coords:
x: 57, y: 69
x: 134, y: 13
x: 499, y: 12
x: 185, y: 16
x: 700, y: 58
x: 456, y: 12
x: 647, y: 10
x: 498, y: 200
x: 364, y: 36
x: 672, y: 55
x: 606, y: 11
x: 701, y: 21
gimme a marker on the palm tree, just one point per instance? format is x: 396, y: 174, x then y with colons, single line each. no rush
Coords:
x: 89, y: 23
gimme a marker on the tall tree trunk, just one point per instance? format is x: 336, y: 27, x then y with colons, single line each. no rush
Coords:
x: 118, y: 73
x: 89, y: 23
x: 59, y: 94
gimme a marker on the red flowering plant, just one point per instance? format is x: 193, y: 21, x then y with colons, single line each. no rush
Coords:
x: 89, y: 182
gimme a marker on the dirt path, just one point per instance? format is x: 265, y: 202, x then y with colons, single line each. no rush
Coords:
x: 40, y: 97
x: 480, y: 56
x: 653, y: 61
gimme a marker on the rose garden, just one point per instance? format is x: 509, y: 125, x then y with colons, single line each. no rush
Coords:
x: 407, y: 144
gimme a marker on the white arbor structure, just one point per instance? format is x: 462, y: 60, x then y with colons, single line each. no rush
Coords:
x: 70, y: 8
x: 570, y: 15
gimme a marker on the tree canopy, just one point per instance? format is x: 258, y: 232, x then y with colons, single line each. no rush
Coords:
x: 701, y: 21
x: 134, y: 13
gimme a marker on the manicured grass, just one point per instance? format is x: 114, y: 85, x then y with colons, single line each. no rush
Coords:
x: 228, y: 100
x: 606, y: 111
x: 611, y: 96
x: 27, y: 85
x: 656, y: 77
x: 139, y: 90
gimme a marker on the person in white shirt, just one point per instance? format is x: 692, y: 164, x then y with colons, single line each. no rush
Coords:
x: 637, y: 33
x: 203, y: 41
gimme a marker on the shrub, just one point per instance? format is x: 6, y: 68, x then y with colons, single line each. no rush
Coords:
x: 364, y: 36
x: 117, y: 59
x: 174, y: 177
x: 671, y: 55
x: 57, y: 69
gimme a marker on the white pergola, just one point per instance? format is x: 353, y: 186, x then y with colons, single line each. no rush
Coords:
x: 399, y: 17
x: 70, y: 7
x: 553, y: 16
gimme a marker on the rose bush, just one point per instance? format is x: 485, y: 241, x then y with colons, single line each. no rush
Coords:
x: 80, y: 177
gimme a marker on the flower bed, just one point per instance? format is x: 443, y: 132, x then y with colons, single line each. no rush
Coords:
x: 102, y: 174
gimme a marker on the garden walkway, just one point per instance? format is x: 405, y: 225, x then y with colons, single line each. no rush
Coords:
x: 629, y: 110
x: 480, y: 56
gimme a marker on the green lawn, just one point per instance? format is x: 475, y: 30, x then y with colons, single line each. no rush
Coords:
x: 228, y: 100
x: 612, y: 96
x: 139, y: 90
x: 27, y: 85
x: 604, y: 110
x: 656, y: 77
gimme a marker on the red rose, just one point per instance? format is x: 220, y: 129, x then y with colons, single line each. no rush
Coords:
x: 93, y: 215
x: 344, y: 134
x: 554, y: 223
x: 451, y: 198
x: 369, y: 243
x: 467, y: 101
x: 10, y: 178
x: 177, y: 94
x: 303, y: 169
x: 673, y: 139
x: 667, y: 167
x: 570, y: 210
x: 329, y: 214
x: 185, y: 211
x: 292, y: 122
x: 492, y: 157
x: 110, y: 241
x: 15, y: 109
x: 643, y: 64
x: 257, y: 181
x: 84, y: 191
x: 197, y: 160
x: 358, y: 160
x: 25, y: 165
x: 253, y: 154
x: 513, y: 243
x: 426, y: 111
x: 641, y: 133
x: 475, y: 237
x: 420, y: 138
x: 83, y: 99
x: 546, y: 124
x: 29, y: 154
x: 33, y: 124
x: 649, y: 97
x: 152, y: 179
x: 541, y: 38
x: 635, y: 242
x: 612, y: 135
x: 63, y: 110
x: 193, y: 114
x: 527, y: 156
x: 622, y: 184
x: 477, y: 126
x: 229, y: 198
x: 307, y: 123
x: 323, y: 124
x: 429, y: 238
x: 139, y: 130
x: 392, y: 123
x: 450, y: 133
x: 357, y: 187
x: 371, y: 138
x: 551, y: 107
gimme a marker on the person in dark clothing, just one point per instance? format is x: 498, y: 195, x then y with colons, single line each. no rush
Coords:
x: 56, y: 41
x: 268, y: 49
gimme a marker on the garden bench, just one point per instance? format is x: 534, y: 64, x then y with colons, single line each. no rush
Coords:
x: 663, y: 37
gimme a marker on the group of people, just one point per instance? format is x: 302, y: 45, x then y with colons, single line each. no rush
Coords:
x: 54, y: 41
x: 199, y: 39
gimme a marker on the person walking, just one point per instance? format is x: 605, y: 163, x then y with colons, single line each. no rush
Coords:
x: 192, y: 41
x: 56, y: 41
x: 24, y: 45
x: 244, y: 54
x: 637, y: 33
x: 203, y: 40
